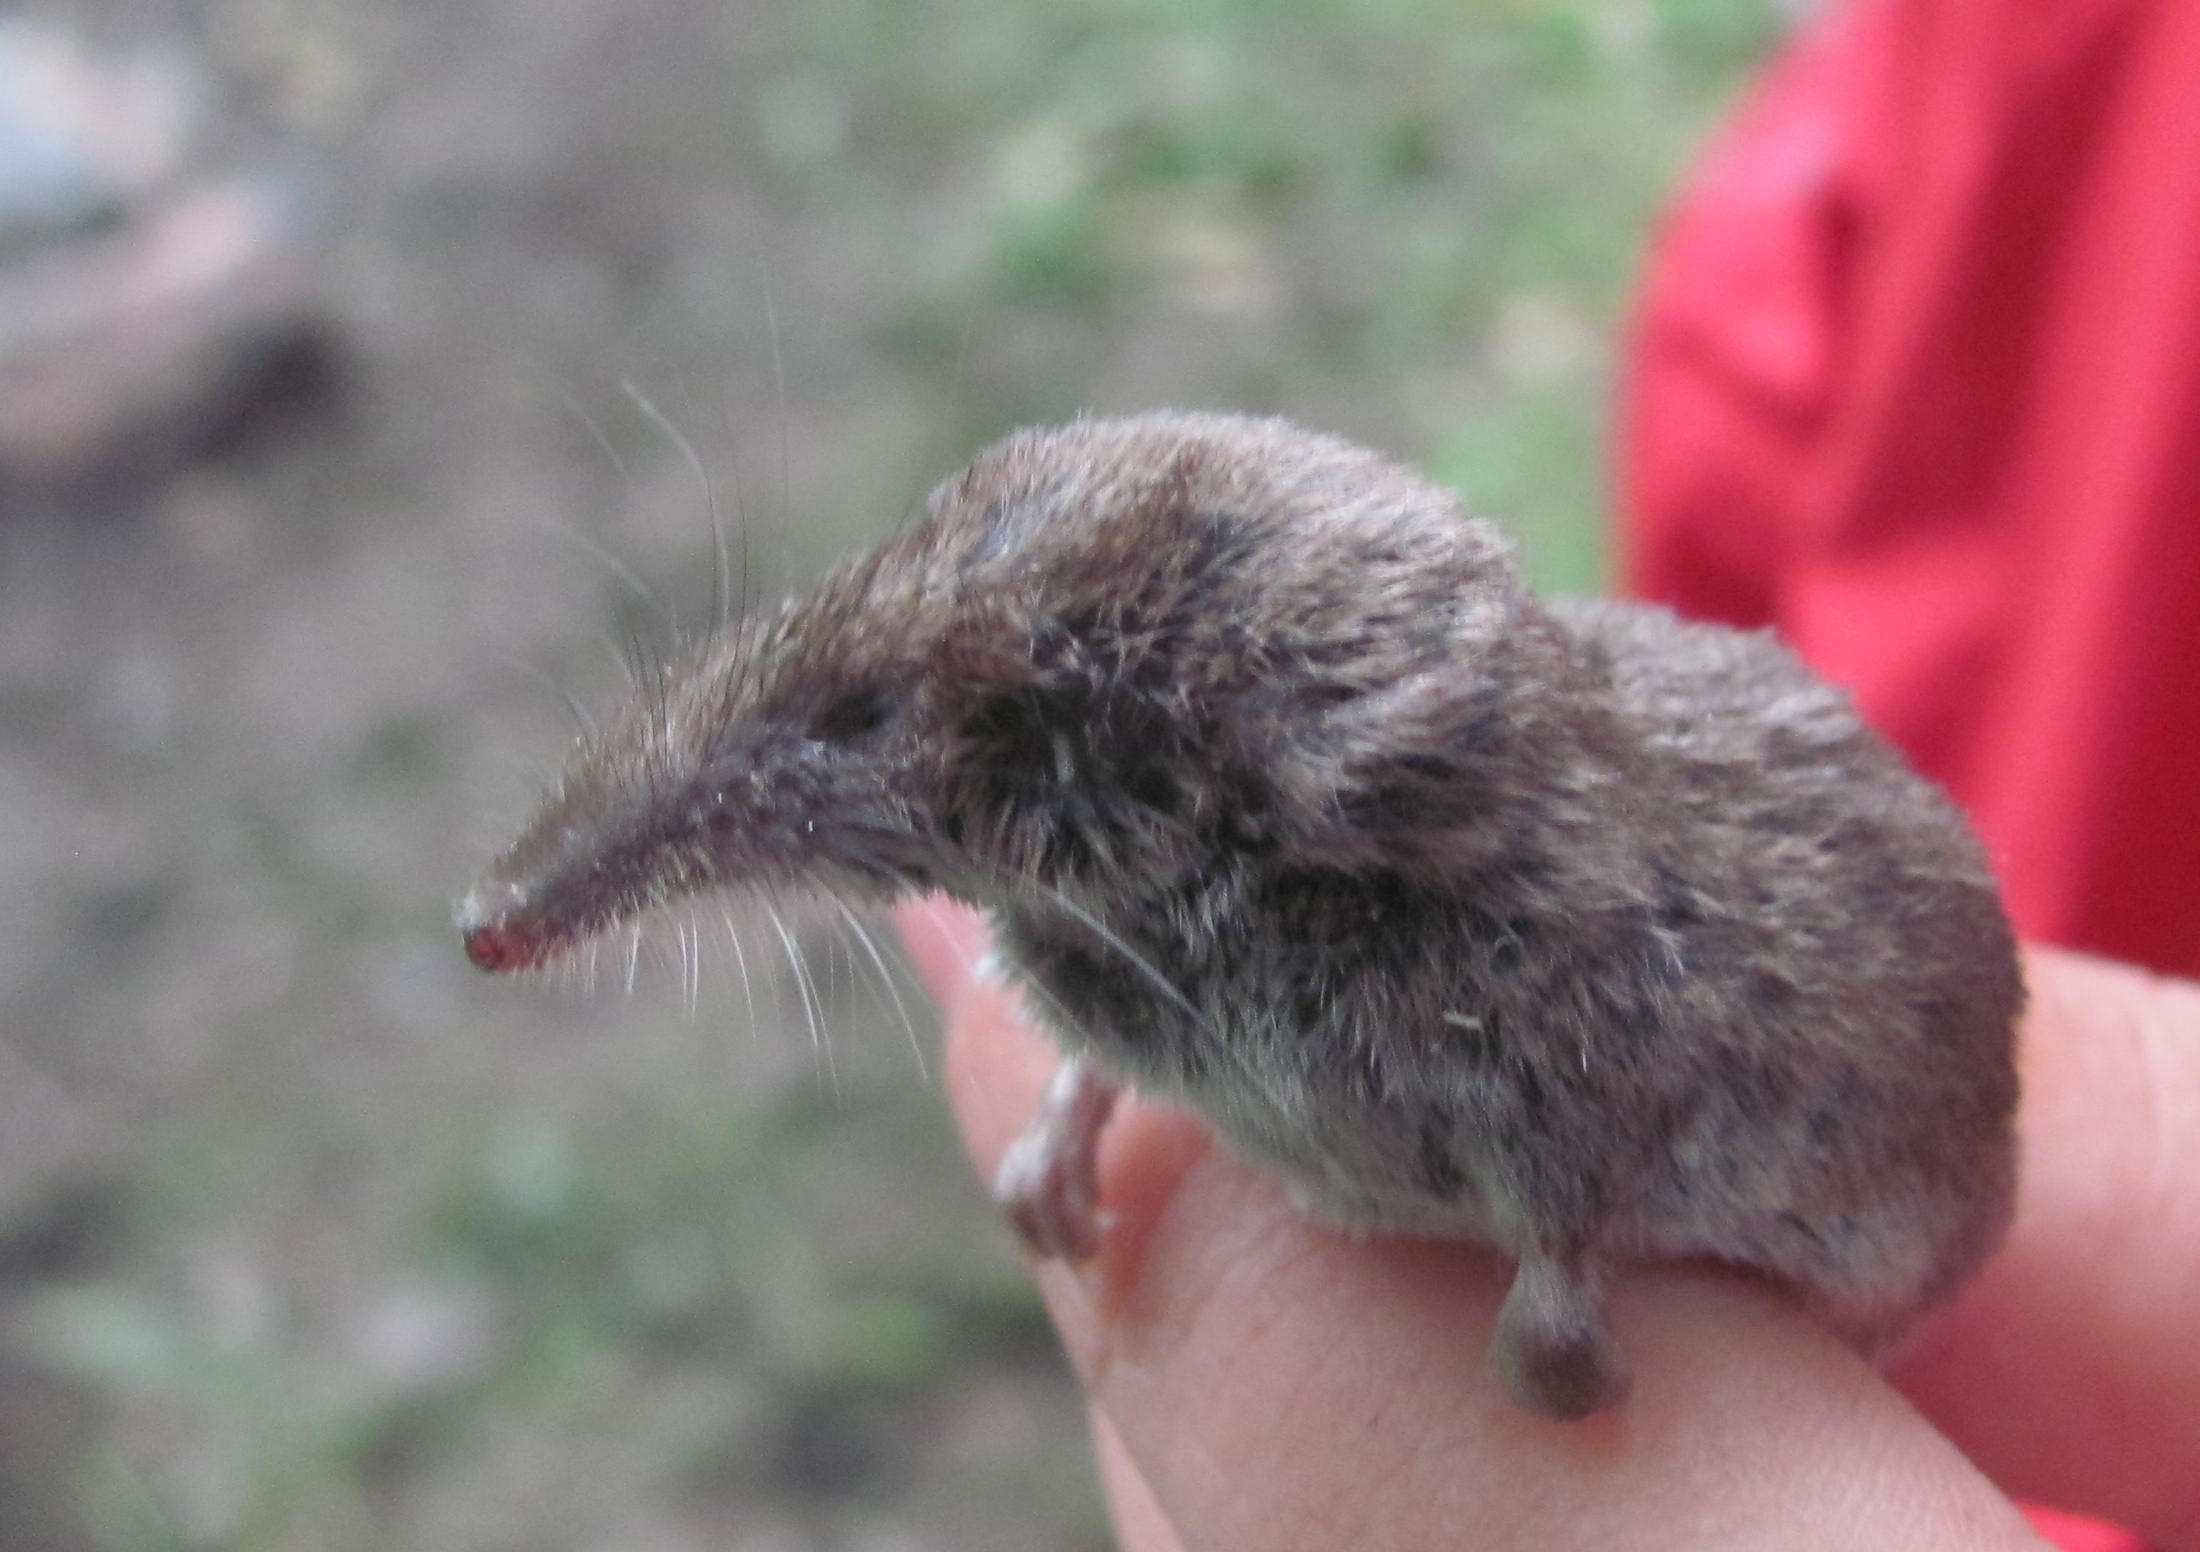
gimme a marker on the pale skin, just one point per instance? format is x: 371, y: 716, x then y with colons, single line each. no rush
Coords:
x: 1256, y: 1380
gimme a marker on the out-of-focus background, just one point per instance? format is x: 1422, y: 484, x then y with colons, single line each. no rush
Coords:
x: 355, y: 360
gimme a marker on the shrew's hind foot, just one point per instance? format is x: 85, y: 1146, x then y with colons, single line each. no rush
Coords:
x: 1551, y: 1347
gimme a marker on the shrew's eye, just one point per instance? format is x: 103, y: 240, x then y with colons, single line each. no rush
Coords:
x: 851, y: 716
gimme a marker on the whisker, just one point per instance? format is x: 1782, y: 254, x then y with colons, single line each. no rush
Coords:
x: 721, y: 577
x: 728, y: 600
x: 691, y: 965
x: 829, y: 992
x: 734, y: 599
x: 695, y: 980
x: 811, y: 1010
x: 886, y: 979
x: 779, y: 390
x: 741, y: 966
x: 1109, y: 937
x: 588, y: 422
x: 625, y: 575
x: 644, y: 668
x: 621, y: 654
x: 574, y: 709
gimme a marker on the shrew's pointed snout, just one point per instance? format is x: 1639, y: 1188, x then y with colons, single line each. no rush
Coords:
x: 568, y: 880
x: 499, y: 946
x: 497, y: 937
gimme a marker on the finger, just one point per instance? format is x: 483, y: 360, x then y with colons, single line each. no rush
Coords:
x: 944, y: 940
x: 1140, y: 1523
x: 1281, y: 1386
x: 2070, y: 1370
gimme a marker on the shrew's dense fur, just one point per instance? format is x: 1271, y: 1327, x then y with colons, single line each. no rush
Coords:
x: 1563, y: 926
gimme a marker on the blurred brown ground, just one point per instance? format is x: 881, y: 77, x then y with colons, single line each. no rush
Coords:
x: 311, y: 1238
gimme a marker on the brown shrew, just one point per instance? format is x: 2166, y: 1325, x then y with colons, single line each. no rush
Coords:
x: 1559, y: 925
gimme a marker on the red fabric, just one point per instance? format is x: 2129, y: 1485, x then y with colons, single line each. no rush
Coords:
x: 2075, y: 1533
x: 1917, y: 381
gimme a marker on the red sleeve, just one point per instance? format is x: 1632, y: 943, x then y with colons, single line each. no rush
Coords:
x: 1916, y: 379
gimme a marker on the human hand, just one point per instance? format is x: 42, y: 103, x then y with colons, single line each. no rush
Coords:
x: 1258, y: 1380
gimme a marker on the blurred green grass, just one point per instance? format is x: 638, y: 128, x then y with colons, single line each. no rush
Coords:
x: 1327, y: 194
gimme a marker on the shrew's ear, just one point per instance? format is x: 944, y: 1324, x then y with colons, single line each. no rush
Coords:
x: 1400, y: 776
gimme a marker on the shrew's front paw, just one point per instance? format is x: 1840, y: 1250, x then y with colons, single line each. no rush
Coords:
x: 1049, y: 1179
